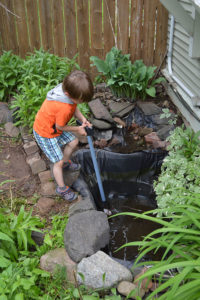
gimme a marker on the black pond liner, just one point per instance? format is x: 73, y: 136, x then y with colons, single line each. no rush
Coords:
x: 128, y: 185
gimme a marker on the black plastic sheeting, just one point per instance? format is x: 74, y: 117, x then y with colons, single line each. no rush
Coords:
x: 138, y: 167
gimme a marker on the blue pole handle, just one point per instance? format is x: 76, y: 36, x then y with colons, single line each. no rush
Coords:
x: 96, y: 168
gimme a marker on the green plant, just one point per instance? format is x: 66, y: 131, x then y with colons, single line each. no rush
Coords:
x: 10, y: 73
x: 41, y: 72
x: 85, y: 110
x: 124, y: 78
x: 179, y: 240
x: 180, y: 175
x: 20, y: 280
x: 167, y: 114
x: 15, y: 235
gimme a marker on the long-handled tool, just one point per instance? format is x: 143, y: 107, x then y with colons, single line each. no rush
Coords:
x: 89, y: 132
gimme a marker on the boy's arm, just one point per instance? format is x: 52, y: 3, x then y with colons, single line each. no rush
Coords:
x: 81, y: 118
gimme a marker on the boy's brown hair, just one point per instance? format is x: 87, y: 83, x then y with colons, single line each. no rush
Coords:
x: 79, y: 86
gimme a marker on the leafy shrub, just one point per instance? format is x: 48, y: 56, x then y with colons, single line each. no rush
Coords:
x: 20, y: 280
x: 15, y: 235
x: 41, y: 72
x: 180, y: 175
x: 124, y: 78
x: 179, y: 239
x: 10, y: 73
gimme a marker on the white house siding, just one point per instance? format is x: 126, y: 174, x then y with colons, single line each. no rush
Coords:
x: 185, y: 68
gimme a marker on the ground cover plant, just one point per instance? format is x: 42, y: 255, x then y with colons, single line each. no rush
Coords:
x: 134, y: 81
x: 180, y: 174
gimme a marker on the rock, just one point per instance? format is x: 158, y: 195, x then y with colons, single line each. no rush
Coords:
x: 164, y: 131
x: 101, y: 124
x: 45, y: 176
x: 98, y: 266
x: 45, y: 205
x: 149, y: 108
x: 86, y: 233
x: 151, y: 138
x: 30, y: 147
x: 11, y: 129
x: 26, y: 136
x: 145, y: 284
x: 120, y: 109
x: 83, y: 205
x: 105, y: 134
x: 100, y: 111
x: 48, y: 189
x: 81, y: 186
x: 38, y: 237
x: 158, y: 121
x: 142, y: 131
x: 53, y: 258
x: 5, y: 113
x: 160, y: 144
x: 36, y: 163
x: 126, y: 288
x: 120, y: 122
x: 70, y: 176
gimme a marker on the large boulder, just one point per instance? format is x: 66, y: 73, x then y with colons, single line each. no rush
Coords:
x: 86, y: 233
x: 101, y: 271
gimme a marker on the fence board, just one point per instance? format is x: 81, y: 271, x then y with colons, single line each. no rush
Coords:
x: 83, y: 33
x: 66, y: 27
x: 108, y: 25
x: 161, y: 33
x: 58, y: 28
x: 123, y: 25
x: 33, y: 24
x: 96, y: 28
x: 136, y: 29
x: 22, y: 29
x: 45, y: 9
x: 149, y: 31
x: 70, y: 28
x: 7, y: 25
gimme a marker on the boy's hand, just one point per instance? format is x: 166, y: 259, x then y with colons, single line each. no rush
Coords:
x: 81, y: 130
x: 86, y: 123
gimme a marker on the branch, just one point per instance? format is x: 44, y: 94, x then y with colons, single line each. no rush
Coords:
x: 7, y: 10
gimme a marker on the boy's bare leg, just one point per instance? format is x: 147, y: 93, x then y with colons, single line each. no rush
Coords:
x: 58, y: 166
x: 58, y: 173
x: 69, y: 149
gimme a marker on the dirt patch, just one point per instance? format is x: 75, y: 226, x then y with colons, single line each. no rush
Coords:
x: 13, y: 168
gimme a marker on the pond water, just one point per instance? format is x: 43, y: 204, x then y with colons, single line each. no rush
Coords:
x: 128, y: 197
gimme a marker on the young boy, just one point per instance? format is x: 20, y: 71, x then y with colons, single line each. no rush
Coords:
x: 51, y: 130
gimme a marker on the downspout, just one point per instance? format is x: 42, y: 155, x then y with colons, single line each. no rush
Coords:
x: 169, y: 60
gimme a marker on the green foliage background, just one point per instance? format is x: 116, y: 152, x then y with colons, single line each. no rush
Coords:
x: 134, y: 81
x: 29, y: 80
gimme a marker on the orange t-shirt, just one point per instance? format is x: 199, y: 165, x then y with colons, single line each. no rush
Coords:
x: 50, y: 114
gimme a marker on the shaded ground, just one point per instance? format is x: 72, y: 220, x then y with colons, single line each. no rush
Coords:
x: 13, y: 167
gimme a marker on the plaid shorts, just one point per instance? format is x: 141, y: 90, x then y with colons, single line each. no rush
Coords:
x: 52, y: 146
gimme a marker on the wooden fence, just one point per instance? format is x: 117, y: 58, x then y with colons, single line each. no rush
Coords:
x: 87, y: 27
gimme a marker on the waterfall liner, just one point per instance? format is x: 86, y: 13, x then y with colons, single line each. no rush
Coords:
x: 130, y: 176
